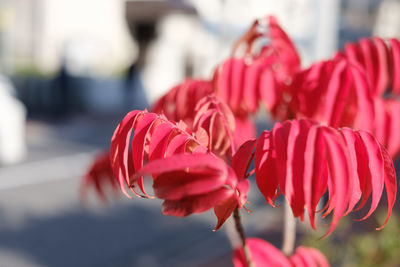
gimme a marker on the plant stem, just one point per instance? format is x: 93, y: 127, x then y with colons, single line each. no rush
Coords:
x: 289, y: 230
x: 239, y: 229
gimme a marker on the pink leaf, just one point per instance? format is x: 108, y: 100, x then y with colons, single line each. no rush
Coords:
x: 265, y: 167
x: 311, y: 257
x: 395, y: 49
x: 154, y: 137
x: 180, y: 102
x: 224, y: 210
x: 241, y: 160
x: 263, y: 254
x: 302, y: 160
x: 390, y: 184
x: 192, y: 183
x: 100, y: 175
x: 215, y: 117
x: 196, y: 203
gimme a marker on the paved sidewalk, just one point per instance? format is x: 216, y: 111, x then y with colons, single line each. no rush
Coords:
x: 44, y: 224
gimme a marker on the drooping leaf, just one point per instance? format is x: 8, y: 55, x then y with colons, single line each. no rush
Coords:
x: 180, y: 102
x: 302, y: 160
x: 241, y: 160
x: 308, y: 257
x: 217, y: 120
x: 100, y: 176
x: 263, y: 254
x: 242, y: 80
x: 387, y: 124
x: 240, y: 163
x: 379, y: 59
x: 247, y: 131
x: 154, y: 137
x: 191, y: 183
x: 335, y: 93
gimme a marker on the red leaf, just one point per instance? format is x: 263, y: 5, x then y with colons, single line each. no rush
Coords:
x: 192, y: 183
x: 265, y: 167
x: 335, y: 93
x: 100, y: 175
x: 217, y: 120
x: 154, y: 137
x: 180, y: 102
x: 302, y: 160
x: 247, y: 131
x: 309, y: 257
x: 119, y: 149
x: 196, y: 203
x: 387, y: 124
x: 339, y: 175
x: 315, y: 172
x: 224, y: 210
x: 379, y: 60
x: 240, y: 163
x: 241, y: 81
x: 263, y: 254
x: 395, y: 49
x: 376, y: 169
x: 241, y: 160
x: 141, y: 131
x: 390, y: 184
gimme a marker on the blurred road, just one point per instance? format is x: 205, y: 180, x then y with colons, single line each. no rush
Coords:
x: 44, y: 224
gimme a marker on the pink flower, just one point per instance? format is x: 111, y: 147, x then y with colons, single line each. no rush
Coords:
x: 263, y: 254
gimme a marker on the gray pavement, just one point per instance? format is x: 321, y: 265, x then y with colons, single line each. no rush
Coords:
x: 44, y: 224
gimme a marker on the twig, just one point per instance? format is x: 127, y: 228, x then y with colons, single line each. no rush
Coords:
x: 239, y: 229
x: 289, y: 230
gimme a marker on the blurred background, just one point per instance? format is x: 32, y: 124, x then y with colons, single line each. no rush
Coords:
x: 71, y: 69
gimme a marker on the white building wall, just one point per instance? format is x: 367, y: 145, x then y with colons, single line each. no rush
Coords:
x: 93, y: 32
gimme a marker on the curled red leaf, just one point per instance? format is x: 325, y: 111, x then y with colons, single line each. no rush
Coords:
x: 180, y: 102
x: 100, y: 176
x: 217, y: 120
x: 335, y: 93
x: 302, y: 160
x: 154, y: 137
x: 380, y: 60
x: 242, y: 81
x: 191, y: 183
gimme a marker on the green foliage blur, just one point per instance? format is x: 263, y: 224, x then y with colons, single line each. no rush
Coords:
x: 353, y: 245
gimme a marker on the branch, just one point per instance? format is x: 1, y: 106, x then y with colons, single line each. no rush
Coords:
x: 289, y: 230
x: 239, y: 229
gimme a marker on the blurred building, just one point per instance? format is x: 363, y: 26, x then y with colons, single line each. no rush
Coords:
x: 193, y: 44
x: 388, y: 19
x: 162, y: 41
x: 38, y: 34
x: 12, y: 125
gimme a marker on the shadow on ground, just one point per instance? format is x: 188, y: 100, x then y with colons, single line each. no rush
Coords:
x: 123, y: 235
